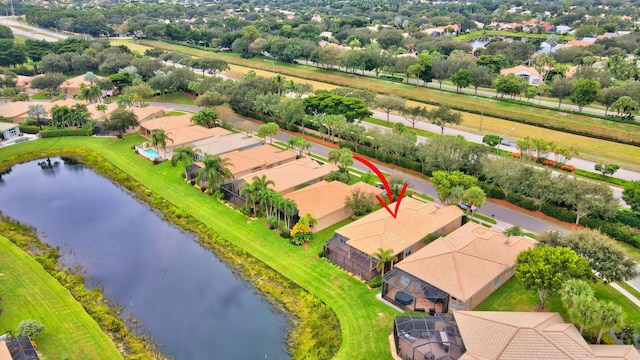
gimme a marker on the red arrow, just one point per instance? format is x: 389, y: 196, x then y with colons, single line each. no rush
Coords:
x: 386, y: 186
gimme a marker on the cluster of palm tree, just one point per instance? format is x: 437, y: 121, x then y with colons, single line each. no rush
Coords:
x: 159, y: 139
x: 214, y: 173
x: 586, y: 312
x: 541, y: 148
x: 90, y: 93
x: 64, y: 116
x: 268, y: 202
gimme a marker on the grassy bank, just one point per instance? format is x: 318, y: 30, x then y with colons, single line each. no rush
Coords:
x: 364, y: 321
x: 495, y: 112
x: 29, y: 292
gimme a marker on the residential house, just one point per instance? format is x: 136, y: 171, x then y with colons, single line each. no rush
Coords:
x: 530, y: 74
x: 181, y: 131
x: 9, y: 130
x: 218, y: 145
x: 455, y: 272
x: 258, y: 158
x: 72, y: 86
x: 325, y: 201
x: 471, y: 335
x: 287, y: 178
x: 15, y: 110
x: 147, y: 112
x: 353, y: 246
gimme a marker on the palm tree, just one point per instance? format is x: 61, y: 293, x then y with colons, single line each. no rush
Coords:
x: 583, y: 311
x: 185, y: 155
x: 94, y: 92
x: 475, y: 198
x: 573, y: 288
x: 289, y: 207
x: 278, y: 82
x: 102, y: 108
x: 384, y: 256
x: 215, y: 171
x: 256, y: 192
x: 252, y: 193
x: 207, y: 117
x: 308, y: 220
x: 611, y: 317
x: 159, y: 139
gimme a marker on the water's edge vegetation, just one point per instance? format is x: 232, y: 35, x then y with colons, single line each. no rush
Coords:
x: 315, y: 331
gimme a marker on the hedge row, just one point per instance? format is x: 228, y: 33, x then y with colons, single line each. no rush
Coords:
x: 65, y: 132
x: 29, y: 129
x: 522, y: 201
x: 616, y: 230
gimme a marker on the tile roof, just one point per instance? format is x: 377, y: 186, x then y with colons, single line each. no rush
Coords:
x: 144, y: 112
x: 466, y: 260
x: 258, y: 157
x: 520, y: 69
x: 223, y: 144
x: 529, y: 335
x: 414, y: 221
x: 294, y: 173
x: 13, y: 109
x: 167, y: 122
x: 324, y: 198
x: 189, y: 134
x: 76, y: 81
x: 578, y: 43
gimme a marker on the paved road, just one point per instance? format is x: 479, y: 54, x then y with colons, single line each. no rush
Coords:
x: 20, y: 28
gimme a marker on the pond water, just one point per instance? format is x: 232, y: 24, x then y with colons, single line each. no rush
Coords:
x: 187, y: 299
x: 478, y: 44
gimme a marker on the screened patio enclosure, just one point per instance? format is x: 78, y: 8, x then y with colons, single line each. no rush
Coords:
x: 412, y: 294
x: 428, y: 337
x: 353, y: 260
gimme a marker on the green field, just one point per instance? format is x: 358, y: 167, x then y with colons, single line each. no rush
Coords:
x: 29, y: 292
x: 588, y: 147
x: 365, y: 322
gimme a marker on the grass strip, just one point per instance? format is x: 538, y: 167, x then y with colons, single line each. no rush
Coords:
x: 600, y: 177
x: 365, y: 322
x: 29, y: 292
x: 630, y: 289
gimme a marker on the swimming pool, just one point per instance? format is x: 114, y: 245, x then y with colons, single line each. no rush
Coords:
x: 152, y: 153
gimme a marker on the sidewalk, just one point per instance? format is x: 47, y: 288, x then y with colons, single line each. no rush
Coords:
x: 626, y: 293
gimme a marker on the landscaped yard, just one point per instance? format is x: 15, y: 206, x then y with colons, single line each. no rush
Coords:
x: 29, y: 292
x: 512, y: 296
x: 365, y: 322
x: 594, y: 148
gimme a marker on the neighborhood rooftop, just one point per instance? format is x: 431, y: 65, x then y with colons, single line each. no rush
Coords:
x: 467, y: 259
x: 289, y: 175
x: 529, y: 335
x: 415, y: 220
x: 222, y: 144
x: 257, y: 158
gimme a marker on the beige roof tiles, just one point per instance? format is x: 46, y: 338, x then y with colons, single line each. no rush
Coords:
x: 466, y: 260
x: 294, y: 173
x: 258, y: 158
x: 414, y: 221
x: 534, y: 335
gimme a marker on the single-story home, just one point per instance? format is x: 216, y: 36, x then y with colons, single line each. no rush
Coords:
x: 353, y: 246
x: 219, y: 145
x: 147, y: 112
x: 258, y: 158
x: 287, y: 178
x: 471, y: 335
x: 15, y: 110
x: 325, y: 201
x: 9, y: 130
x: 72, y: 86
x: 454, y: 272
x: 530, y: 74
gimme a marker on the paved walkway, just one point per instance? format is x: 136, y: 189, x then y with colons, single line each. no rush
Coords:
x: 626, y: 293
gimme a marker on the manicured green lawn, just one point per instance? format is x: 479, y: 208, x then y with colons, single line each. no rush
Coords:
x: 365, y: 322
x: 40, y: 96
x: 512, y: 296
x: 630, y: 289
x: 176, y: 98
x: 29, y: 292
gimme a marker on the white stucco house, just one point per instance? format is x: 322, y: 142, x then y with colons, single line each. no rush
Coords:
x: 532, y: 75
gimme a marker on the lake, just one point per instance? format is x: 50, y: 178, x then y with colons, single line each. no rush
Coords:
x: 192, y: 304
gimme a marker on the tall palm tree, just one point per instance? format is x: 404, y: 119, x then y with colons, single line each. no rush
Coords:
x: 159, y: 139
x: 94, y: 92
x: 584, y: 311
x: 185, y: 155
x: 611, y: 317
x: 215, y: 171
x: 102, y: 108
x: 384, y: 256
x: 256, y: 192
x: 252, y: 193
x: 475, y: 198
x: 289, y: 207
x: 574, y: 288
x: 136, y: 99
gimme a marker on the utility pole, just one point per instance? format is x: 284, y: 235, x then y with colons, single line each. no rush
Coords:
x: 12, y: 12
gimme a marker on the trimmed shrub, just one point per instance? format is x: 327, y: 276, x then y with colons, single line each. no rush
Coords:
x: 29, y: 327
x: 559, y: 213
x: 375, y: 281
x: 568, y: 168
x: 491, y: 191
x: 29, y: 129
x: 521, y: 201
x: 65, y: 132
x: 628, y: 218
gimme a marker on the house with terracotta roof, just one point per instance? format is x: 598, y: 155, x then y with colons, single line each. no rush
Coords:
x: 15, y: 110
x: 474, y: 335
x: 325, y: 201
x: 579, y: 43
x: 454, y: 272
x: 353, y: 246
x: 287, y: 178
x: 258, y: 158
x: 218, y: 145
x: 147, y: 112
x: 530, y: 74
x: 72, y: 86
x: 179, y: 129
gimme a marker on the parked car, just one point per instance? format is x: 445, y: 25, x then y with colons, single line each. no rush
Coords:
x: 507, y: 143
x: 465, y: 206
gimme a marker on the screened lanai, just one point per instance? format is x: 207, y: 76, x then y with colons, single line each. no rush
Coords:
x: 428, y: 337
x: 353, y: 260
x: 413, y: 294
